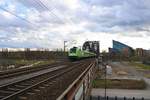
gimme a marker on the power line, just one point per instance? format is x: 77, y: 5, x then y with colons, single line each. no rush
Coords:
x: 44, y: 6
x: 15, y: 15
x: 41, y: 4
x: 70, y: 21
x: 50, y: 10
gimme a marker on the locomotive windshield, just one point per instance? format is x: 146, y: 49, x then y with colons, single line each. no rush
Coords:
x: 73, y: 50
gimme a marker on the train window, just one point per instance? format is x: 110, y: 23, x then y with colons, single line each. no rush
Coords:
x: 73, y: 50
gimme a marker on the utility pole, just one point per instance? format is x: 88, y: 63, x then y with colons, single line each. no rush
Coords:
x: 105, y: 80
x: 65, y: 46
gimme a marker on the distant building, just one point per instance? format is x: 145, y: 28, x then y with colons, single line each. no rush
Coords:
x: 140, y: 52
x: 147, y: 53
x: 120, y: 48
x: 112, y: 50
x: 4, y: 49
x: 24, y: 49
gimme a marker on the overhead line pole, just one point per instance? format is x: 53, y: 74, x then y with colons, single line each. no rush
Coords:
x: 65, y: 46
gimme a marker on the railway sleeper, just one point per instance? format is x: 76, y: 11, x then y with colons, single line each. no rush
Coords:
x: 29, y: 82
x: 20, y: 86
x: 5, y: 92
x: 53, y: 96
x: 43, y: 90
x: 43, y: 93
x: 22, y: 98
x: 46, y: 85
x: 31, y: 96
x: 40, y: 92
x: 32, y: 81
x: 37, y: 94
x: 2, y: 97
x: 26, y: 84
x: 27, y: 96
x: 13, y: 89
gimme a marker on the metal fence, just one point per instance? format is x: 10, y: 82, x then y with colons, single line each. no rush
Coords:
x: 115, y: 98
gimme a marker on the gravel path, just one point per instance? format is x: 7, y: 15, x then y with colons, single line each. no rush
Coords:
x: 121, y: 93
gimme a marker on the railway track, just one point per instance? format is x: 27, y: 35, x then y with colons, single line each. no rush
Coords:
x: 50, y: 84
x: 22, y: 71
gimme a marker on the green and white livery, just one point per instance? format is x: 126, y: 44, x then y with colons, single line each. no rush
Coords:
x: 77, y: 53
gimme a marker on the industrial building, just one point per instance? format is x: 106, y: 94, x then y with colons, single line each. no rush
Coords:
x: 121, y: 48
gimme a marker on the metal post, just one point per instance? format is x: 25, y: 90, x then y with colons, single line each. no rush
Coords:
x: 124, y: 98
x: 107, y: 97
x: 115, y: 97
x: 105, y: 82
x: 142, y: 98
x: 90, y: 97
x: 84, y: 90
x: 65, y: 46
x: 99, y: 98
x: 133, y: 98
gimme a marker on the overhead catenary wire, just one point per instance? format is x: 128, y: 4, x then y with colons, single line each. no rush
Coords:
x: 24, y: 19
x: 68, y: 19
x: 44, y: 6
x: 49, y: 10
x: 41, y: 4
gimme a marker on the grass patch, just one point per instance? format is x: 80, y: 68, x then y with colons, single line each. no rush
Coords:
x: 140, y: 65
x: 5, y: 63
x: 119, y: 84
x: 147, y: 75
x: 46, y: 62
x: 19, y: 63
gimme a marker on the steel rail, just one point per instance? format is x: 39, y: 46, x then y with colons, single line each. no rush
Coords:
x: 34, y: 85
x: 27, y: 70
x: 74, y: 82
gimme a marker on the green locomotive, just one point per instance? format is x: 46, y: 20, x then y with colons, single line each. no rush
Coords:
x: 76, y: 53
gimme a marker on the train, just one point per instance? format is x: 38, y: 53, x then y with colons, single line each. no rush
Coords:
x: 89, y: 49
x: 76, y: 53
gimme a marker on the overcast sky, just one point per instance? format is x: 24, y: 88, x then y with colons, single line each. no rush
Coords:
x: 47, y: 23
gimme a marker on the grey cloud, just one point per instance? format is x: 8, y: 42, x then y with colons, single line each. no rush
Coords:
x: 49, y: 5
x: 109, y: 3
x: 31, y: 4
x: 110, y: 16
x: 125, y: 14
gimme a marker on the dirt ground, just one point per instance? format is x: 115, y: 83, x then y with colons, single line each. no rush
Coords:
x: 123, y: 70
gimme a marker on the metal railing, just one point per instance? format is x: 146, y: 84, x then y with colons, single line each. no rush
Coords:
x: 115, y: 98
